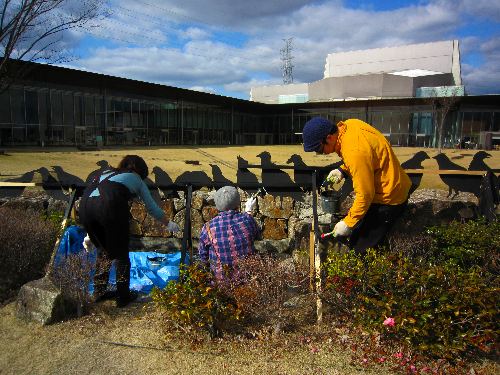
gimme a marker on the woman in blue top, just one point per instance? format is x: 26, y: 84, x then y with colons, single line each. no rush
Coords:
x: 104, y: 213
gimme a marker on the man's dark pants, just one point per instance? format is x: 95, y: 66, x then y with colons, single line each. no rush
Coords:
x: 372, y: 229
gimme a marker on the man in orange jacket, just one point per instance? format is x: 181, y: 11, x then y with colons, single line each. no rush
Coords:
x: 381, y: 186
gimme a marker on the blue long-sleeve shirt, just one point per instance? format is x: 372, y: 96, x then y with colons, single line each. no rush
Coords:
x: 136, y: 186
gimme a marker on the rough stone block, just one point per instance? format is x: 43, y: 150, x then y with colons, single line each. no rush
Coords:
x: 138, y: 211
x: 196, y: 222
x: 276, y: 207
x: 197, y: 201
x: 42, y: 301
x: 209, y: 212
x: 274, y: 246
x: 274, y: 229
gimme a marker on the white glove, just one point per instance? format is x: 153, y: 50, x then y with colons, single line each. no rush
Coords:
x: 335, y: 176
x: 173, y: 226
x: 341, y: 229
x: 87, y: 244
x: 250, y: 204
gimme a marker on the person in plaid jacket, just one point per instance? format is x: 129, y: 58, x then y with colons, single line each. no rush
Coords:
x: 230, y: 235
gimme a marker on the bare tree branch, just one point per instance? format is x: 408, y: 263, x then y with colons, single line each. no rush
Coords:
x: 442, y: 102
x: 28, y: 29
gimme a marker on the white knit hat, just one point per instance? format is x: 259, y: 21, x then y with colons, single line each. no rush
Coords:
x: 227, y: 198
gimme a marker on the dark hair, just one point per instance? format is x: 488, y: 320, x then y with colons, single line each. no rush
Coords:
x: 134, y: 163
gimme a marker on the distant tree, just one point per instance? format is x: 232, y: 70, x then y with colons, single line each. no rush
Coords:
x: 31, y: 30
x: 442, y: 102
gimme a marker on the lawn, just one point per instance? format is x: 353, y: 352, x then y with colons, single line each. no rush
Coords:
x: 176, y: 159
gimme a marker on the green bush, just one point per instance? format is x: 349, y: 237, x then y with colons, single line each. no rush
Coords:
x: 467, y: 244
x: 254, y: 294
x: 196, y: 302
x: 440, y: 307
x: 26, y: 243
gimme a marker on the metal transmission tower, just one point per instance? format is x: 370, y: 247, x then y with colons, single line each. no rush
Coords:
x: 286, y: 61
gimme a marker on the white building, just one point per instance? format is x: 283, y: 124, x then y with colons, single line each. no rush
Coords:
x: 390, y: 72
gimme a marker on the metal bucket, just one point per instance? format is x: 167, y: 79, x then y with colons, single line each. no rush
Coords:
x: 329, y: 201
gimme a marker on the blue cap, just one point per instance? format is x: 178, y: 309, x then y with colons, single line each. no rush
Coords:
x: 315, y: 130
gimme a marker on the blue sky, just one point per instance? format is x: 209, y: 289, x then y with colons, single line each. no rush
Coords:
x: 227, y: 46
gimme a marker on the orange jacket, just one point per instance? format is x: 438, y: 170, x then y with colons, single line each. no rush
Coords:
x: 376, y: 173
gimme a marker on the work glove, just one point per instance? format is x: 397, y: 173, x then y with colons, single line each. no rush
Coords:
x: 250, y: 204
x: 87, y: 244
x: 341, y: 229
x: 173, y: 227
x: 335, y: 176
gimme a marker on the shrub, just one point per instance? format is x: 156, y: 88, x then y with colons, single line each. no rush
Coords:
x: 256, y: 291
x: 196, y: 302
x: 262, y: 285
x: 467, y: 244
x: 436, y: 304
x: 26, y: 244
x: 73, y: 275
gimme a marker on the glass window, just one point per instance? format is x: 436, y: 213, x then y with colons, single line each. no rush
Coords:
x: 18, y: 134
x: 31, y: 107
x: 127, y: 106
x: 110, y: 113
x: 496, y: 122
x: 32, y: 134
x: 56, y: 107
x: 136, y: 120
x: 99, y: 109
x: 68, y: 109
x: 164, y: 120
x: 79, y: 121
x: 17, y: 103
x: 43, y: 107
x: 89, y: 111
x: 5, y: 107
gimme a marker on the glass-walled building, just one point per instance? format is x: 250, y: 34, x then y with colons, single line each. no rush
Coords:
x: 56, y: 106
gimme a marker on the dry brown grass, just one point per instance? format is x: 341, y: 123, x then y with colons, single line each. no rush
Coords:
x: 131, y: 341
x: 173, y: 159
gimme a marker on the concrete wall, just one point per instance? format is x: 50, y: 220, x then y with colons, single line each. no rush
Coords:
x: 373, y: 85
x: 397, y: 86
x: 436, y: 80
x: 456, y: 71
x: 363, y: 86
x: 270, y: 94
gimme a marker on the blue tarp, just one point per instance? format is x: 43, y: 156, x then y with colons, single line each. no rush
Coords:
x: 147, y: 268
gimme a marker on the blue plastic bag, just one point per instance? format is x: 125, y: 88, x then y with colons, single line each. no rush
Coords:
x: 147, y: 268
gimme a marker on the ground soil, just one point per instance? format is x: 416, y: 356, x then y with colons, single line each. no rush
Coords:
x: 131, y: 341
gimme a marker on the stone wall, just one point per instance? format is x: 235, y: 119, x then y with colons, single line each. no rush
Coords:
x: 285, y: 223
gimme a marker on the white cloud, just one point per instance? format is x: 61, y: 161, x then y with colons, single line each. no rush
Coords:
x: 484, y: 78
x: 210, y: 90
x: 174, y: 43
x: 194, y: 33
x: 482, y: 8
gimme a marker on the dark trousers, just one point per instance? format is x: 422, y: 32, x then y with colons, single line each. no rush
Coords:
x: 372, y: 229
x: 101, y: 277
x: 106, y: 220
